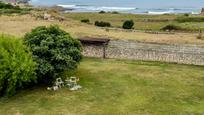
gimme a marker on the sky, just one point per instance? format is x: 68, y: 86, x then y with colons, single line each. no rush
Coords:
x: 130, y: 3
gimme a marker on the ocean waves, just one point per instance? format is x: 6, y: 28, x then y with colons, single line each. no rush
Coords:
x: 89, y: 8
x: 95, y: 8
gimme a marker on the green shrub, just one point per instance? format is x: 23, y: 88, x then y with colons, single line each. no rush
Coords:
x: 171, y: 27
x: 102, y: 24
x: 102, y: 12
x: 8, y: 6
x: 128, y: 24
x: 186, y: 14
x: 189, y: 19
x: 54, y: 51
x: 17, y: 67
x: 85, y: 20
x: 10, y: 9
x: 115, y: 12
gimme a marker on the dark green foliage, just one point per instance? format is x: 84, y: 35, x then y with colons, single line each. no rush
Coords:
x: 102, y: 24
x: 115, y: 12
x: 186, y: 14
x: 85, y: 20
x: 128, y: 24
x: 171, y: 27
x: 10, y: 9
x: 8, y: 6
x: 190, y: 19
x: 17, y: 67
x: 102, y: 12
x: 54, y: 51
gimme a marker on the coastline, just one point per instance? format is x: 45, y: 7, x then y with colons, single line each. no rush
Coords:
x: 128, y: 10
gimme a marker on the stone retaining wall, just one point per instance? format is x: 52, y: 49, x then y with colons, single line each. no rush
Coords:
x: 119, y: 49
x: 93, y: 51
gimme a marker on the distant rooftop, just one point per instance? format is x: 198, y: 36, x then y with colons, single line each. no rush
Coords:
x: 96, y: 41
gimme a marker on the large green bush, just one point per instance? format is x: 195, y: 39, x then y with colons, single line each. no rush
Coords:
x: 8, y: 6
x: 102, y: 12
x: 171, y: 27
x: 54, y: 51
x: 85, y: 21
x: 102, y: 24
x: 128, y: 24
x: 17, y: 67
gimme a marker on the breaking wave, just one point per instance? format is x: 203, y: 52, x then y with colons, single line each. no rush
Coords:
x: 156, y: 11
x: 95, y: 8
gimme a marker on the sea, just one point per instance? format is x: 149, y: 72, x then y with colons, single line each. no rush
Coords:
x: 127, y: 6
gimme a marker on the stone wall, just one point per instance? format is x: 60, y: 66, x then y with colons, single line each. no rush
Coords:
x: 93, y: 51
x: 183, y: 54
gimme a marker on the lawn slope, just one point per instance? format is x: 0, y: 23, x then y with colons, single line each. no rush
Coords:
x: 113, y: 87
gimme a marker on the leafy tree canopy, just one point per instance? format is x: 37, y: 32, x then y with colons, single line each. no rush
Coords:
x: 54, y: 50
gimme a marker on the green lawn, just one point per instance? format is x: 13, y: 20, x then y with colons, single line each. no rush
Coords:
x: 192, y: 25
x: 113, y: 87
x: 142, y: 22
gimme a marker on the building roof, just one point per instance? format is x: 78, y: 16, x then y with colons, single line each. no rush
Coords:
x: 95, y: 41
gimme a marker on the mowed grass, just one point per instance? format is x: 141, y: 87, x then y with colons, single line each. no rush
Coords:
x: 192, y: 25
x: 118, y: 87
x: 142, y: 22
